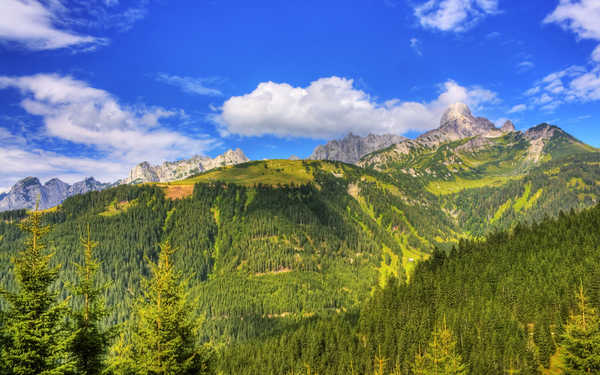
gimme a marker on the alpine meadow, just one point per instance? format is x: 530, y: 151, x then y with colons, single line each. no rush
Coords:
x: 277, y: 190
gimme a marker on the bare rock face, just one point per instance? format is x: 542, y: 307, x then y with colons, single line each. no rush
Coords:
x: 353, y: 147
x: 25, y: 193
x: 177, y: 170
x: 456, y: 123
x: 508, y: 127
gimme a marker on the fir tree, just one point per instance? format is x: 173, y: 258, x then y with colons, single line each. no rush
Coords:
x: 163, y: 334
x: 441, y: 356
x: 90, y: 341
x: 581, y: 339
x: 36, y: 338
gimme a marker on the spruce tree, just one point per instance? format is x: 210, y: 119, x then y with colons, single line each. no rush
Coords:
x: 163, y: 336
x: 90, y: 341
x: 581, y: 339
x: 440, y: 357
x: 36, y: 339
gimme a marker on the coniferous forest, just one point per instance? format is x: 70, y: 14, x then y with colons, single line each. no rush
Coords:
x: 302, y: 278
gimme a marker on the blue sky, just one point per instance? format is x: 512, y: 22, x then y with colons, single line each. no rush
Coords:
x: 94, y: 87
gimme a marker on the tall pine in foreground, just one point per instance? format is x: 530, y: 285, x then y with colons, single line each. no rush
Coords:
x: 36, y: 339
x: 581, y: 339
x: 440, y: 357
x: 163, y: 335
x: 90, y: 341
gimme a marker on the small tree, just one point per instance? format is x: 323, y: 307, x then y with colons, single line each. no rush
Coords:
x: 581, y: 339
x: 36, y: 338
x: 163, y: 335
x: 440, y: 357
x: 90, y: 341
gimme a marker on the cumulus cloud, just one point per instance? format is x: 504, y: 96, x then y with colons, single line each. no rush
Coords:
x: 89, y: 117
x: 330, y: 107
x: 454, y: 15
x: 190, y: 85
x: 518, y: 108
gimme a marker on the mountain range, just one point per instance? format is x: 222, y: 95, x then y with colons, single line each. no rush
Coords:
x: 272, y: 246
x: 26, y: 191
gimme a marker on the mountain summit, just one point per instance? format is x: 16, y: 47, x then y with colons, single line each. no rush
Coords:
x: 177, y: 170
x: 26, y: 192
x: 456, y: 123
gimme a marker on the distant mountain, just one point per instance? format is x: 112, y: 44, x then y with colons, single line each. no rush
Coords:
x: 353, y: 147
x: 25, y: 193
x: 177, y: 170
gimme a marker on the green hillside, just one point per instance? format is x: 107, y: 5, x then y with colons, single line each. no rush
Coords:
x: 277, y: 247
x: 505, y: 300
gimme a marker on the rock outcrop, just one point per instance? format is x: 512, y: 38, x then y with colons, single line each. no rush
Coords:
x: 353, y: 147
x: 456, y: 123
x: 177, y: 170
x: 25, y: 193
x: 508, y: 127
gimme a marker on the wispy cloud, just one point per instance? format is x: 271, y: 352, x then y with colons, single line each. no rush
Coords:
x: 415, y: 44
x: 33, y: 25
x: 121, y: 135
x: 518, y: 108
x: 46, y: 25
x: 191, y: 85
x: 332, y: 106
x: 454, y: 15
x: 524, y: 66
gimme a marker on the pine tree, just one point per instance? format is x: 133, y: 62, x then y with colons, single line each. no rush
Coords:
x: 440, y: 356
x: 163, y: 337
x: 581, y: 339
x: 90, y: 341
x: 36, y: 338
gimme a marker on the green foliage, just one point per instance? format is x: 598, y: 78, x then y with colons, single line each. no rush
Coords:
x: 581, y: 339
x: 163, y: 336
x: 440, y: 357
x: 90, y: 340
x: 36, y: 339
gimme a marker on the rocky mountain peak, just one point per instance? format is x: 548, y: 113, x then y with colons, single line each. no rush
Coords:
x: 352, y: 148
x: 456, y: 123
x: 178, y: 170
x: 26, y: 192
x: 508, y: 127
x: 455, y: 112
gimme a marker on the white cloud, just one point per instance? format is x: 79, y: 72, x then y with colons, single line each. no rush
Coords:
x: 190, y: 85
x: 532, y: 91
x: 524, y: 66
x: 581, y: 17
x: 18, y: 163
x: 596, y: 54
x: 518, y: 108
x: 125, y: 135
x: 330, y: 107
x: 415, y: 44
x: 454, y: 15
x: 33, y: 25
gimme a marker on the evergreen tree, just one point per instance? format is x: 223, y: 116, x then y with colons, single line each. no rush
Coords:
x: 37, y: 341
x: 90, y: 341
x: 581, y: 339
x: 441, y: 356
x: 163, y: 334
